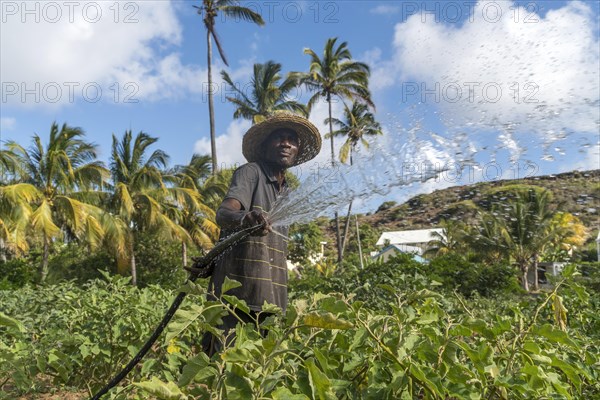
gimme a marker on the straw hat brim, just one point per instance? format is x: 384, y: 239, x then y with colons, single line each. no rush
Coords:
x: 309, y: 138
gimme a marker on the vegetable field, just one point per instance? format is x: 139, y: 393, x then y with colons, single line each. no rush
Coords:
x: 375, y: 334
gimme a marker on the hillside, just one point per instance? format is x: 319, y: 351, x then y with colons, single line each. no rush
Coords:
x: 579, y: 193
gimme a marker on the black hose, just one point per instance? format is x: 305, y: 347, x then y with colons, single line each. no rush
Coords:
x: 202, y: 263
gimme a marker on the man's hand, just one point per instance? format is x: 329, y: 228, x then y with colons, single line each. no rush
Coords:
x: 256, y: 217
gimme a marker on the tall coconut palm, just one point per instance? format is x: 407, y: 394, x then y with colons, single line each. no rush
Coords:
x: 16, y: 202
x: 522, y: 228
x: 358, y: 122
x: 210, y: 9
x: 267, y: 96
x: 55, y: 177
x: 452, y: 240
x: 198, y: 220
x: 335, y: 75
x: 141, y: 197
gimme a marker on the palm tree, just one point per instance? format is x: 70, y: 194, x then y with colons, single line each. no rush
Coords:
x: 453, y: 239
x: 522, y: 228
x: 335, y: 75
x: 199, y: 223
x: 16, y: 202
x: 210, y: 9
x: 267, y: 96
x: 52, y: 196
x: 358, y: 122
x: 565, y: 233
x: 141, y: 197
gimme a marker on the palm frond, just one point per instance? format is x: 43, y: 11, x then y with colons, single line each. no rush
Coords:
x: 42, y: 221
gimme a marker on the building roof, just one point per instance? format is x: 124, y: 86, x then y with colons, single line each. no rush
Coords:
x: 407, y: 237
x: 401, y: 248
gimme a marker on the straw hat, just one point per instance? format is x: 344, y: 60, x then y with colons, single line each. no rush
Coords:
x: 309, y: 137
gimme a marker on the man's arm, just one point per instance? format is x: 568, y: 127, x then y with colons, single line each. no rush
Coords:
x: 231, y: 215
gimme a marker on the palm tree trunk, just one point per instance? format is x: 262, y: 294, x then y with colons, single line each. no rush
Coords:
x: 535, y: 272
x: 44, y: 267
x: 2, y: 251
x: 360, y: 255
x: 524, y: 270
x: 211, y: 111
x: 133, y: 267
x: 347, y: 226
x: 337, y: 217
x: 346, y: 229
x: 184, y: 253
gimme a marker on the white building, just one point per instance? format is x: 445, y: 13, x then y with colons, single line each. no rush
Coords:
x: 393, y: 249
x: 413, y: 242
x: 416, y: 238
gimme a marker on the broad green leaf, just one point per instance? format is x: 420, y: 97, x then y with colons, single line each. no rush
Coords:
x: 569, y: 270
x: 322, y: 359
x: 237, y: 303
x: 568, y: 369
x: 419, y: 374
x: 181, y: 320
x: 333, y: 305
x: 554, y: 335
x: 148, y: 364
x: 270, y: 308
x: 190, y: 287
x: 561, y: 387
x: 234, y: 354
x: 213, y: 312
x: 238, y: 387
x: 427, y: 319
x: 160, y: 389
x: 580, y: 291
x: 283, y: 393
x: 326, y: 321
x: 194, y: 365
x: 229, y: 284
x: 12, y: 324
x: 319, y: 383
x: 388, y: 288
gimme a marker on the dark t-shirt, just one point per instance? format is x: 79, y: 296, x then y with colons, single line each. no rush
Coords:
x: 258, y: 262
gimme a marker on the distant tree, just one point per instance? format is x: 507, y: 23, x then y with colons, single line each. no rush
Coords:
x: 267, y: 96
x: 199, y: 219
x: 54, y: 197
x: 209, y: 10
x: 141, y: 197
x: 358, y: 122
x: 452, y: 241
x: 335, y: 75
x: 305, y: 242
x: 565, y: 234
x: 523, y: 225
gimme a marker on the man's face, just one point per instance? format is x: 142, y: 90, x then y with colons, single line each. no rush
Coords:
x: 281, y: 148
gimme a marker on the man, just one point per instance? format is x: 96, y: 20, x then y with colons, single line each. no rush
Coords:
x: 259, y: 261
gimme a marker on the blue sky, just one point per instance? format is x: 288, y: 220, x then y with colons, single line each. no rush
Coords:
x: 513, y: 84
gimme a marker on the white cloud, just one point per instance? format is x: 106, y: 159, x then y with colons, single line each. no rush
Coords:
x: 539, y: 76
x: 229, y: 144
x: 587, y: 159
x: 99, y: 44
x: 7, y: 123
x: 385, y: 9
